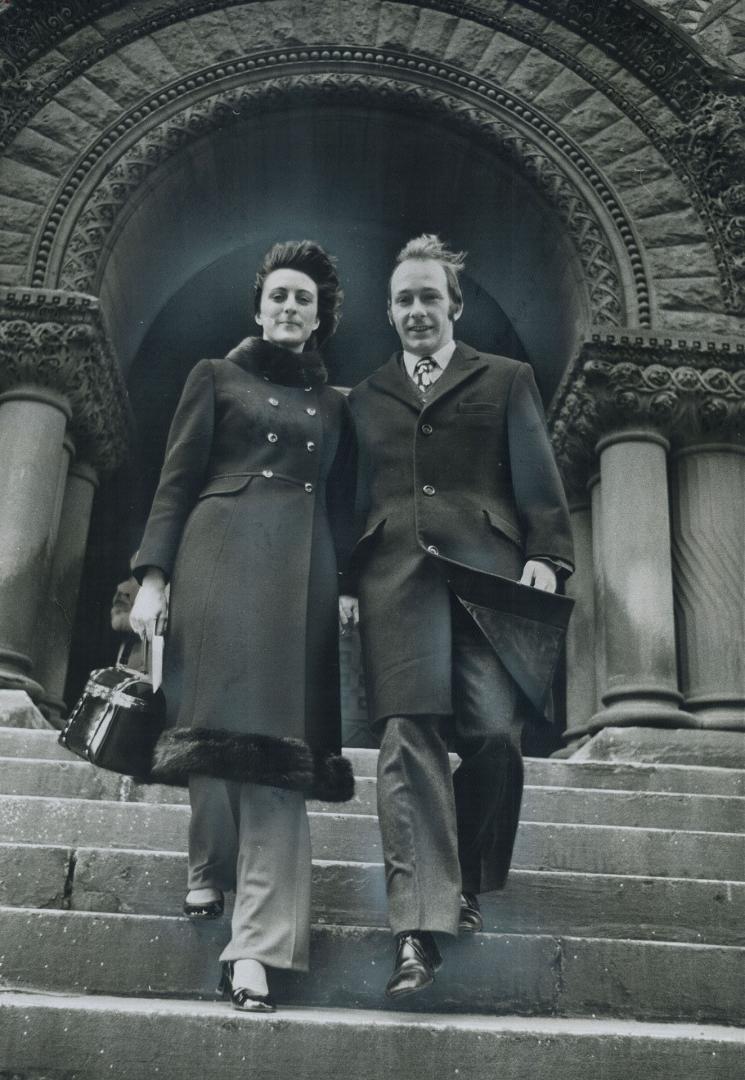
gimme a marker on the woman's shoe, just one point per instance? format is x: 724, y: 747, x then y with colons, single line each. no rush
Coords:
x: 212, y: 909
x: 239, y: 996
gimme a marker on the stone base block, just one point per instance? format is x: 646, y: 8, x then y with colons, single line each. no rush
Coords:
x: 681, y: 746
x: 17, y: 710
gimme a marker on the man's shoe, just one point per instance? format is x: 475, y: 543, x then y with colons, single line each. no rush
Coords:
x: 470, y: 921
x: 417, y: 960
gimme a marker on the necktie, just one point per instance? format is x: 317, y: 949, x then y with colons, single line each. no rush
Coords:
x: 423, y: 370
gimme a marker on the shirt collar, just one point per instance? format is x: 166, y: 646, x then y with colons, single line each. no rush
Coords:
x: 442, y: 358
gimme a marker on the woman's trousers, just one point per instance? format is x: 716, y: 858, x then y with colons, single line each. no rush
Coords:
x: 255, y: 839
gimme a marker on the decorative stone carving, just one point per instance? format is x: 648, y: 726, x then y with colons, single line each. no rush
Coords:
x: 58, y: 340
x: 536, y: 155
x: 625, y: 29
x: 713, y: 145
x: 684, y: 389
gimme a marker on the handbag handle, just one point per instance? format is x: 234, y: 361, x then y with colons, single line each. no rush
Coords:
x: 125, y: 649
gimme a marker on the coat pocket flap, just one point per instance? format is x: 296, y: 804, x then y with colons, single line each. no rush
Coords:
x: 506, y: 527
x: 229, y: 484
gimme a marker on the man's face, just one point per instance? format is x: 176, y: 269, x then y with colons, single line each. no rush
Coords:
x: 420, y: 306
x: 121, y: 605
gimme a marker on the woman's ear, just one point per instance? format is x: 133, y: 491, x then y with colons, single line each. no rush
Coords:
x: 257, y: 319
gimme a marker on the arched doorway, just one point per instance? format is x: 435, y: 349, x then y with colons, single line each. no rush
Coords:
x: 362, y: 182
x: 170, y: 237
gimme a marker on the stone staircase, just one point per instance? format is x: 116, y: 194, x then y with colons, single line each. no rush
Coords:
x: 617, y: 950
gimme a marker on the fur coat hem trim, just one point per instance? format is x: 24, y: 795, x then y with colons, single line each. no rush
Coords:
x: 252, y: 758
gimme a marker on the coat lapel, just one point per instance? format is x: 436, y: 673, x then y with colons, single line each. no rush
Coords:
x: 464, y: 364
x: 392, y: 379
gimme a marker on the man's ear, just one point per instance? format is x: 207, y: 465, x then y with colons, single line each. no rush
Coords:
x: 457, y: 313
x: 388, y: 313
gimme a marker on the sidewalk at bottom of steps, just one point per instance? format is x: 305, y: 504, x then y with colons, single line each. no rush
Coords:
x: 89, y: 1038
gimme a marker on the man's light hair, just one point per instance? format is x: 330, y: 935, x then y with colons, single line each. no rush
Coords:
x: 430, y: 246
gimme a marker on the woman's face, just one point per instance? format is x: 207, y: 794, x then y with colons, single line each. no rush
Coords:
x: 288, y: 312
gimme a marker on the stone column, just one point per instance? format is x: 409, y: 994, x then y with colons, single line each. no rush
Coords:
x: 598, y: 654
x: 580, y: 646
x: 56, y: 620
x: 58, y: 378
x: 629, y: 396
x: 709, y: 559
x: 642, y: 683
x: 33, y: 421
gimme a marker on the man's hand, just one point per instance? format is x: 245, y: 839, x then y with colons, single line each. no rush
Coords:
x: 349, y: 612
x: 540, y: 575
x: 150, y: 606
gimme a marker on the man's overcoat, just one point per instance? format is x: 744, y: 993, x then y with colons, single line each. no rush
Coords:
x: 465, y: 474
x: 250, y: 514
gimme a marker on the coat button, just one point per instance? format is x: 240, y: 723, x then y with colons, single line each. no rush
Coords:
x: 311, y: 411
x: 428, y: 489
x: 308, y: 488
x: 433, y: 550
x: 273, y: 401
x: 427, y: 429
x: 272, y: 437
x: 267, y: 473
x: 310, y: 447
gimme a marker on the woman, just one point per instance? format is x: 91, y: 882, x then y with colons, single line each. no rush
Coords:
x: 251, y: 511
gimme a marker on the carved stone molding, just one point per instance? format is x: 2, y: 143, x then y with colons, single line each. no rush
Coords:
x: 633, y: 36
x: 630, y: 33
x: 713, y: 145
x: 496, y: 120
x: 687, y: 390
x: 54, y: 339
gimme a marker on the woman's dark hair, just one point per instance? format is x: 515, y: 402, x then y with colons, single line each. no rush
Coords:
x: 309, y: 258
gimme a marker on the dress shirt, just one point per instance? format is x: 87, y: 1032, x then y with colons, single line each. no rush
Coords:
x: 441, y: 358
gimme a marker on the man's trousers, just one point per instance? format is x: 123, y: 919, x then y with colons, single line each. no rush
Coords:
x: 445, y: 834
x: 255, y: 839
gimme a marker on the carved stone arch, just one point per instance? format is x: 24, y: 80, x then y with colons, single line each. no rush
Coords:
x: 76, y: 238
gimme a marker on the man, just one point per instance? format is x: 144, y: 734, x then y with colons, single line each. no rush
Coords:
x: 131, y: 650
x: 455, y: 466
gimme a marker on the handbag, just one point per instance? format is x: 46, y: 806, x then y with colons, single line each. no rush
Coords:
x: 117, y: 720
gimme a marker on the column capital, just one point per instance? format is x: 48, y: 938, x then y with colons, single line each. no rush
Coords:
x: 58, y: 340
x: 687, y: 389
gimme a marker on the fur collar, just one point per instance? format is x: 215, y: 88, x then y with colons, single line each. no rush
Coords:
x: 251, y: 758
x: 279, y: 365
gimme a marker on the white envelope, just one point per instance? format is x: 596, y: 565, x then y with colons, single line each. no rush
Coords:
x: 156, y: 660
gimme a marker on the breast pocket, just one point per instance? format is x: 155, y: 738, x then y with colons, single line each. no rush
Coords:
x: 483, y: 407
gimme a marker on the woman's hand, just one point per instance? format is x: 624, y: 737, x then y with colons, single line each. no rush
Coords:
x: 349, y: 612
x: 151, y: 604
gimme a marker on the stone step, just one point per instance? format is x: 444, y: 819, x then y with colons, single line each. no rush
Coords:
x: 599, y: 849
x: 47, y: 1035
x: 153, y: 883
x: 662, y: 810
x: 695, y: 779
x: 135, y: 955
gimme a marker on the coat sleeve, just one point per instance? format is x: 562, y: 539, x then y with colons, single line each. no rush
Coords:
x: 539, y: 492
x: 183, y: 474
x: 340, y: 491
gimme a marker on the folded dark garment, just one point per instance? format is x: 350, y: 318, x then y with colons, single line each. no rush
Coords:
x: 525, y: 626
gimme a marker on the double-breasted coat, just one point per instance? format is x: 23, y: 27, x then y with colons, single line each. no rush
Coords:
x: 252, y: 510
x: 465, y: 474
